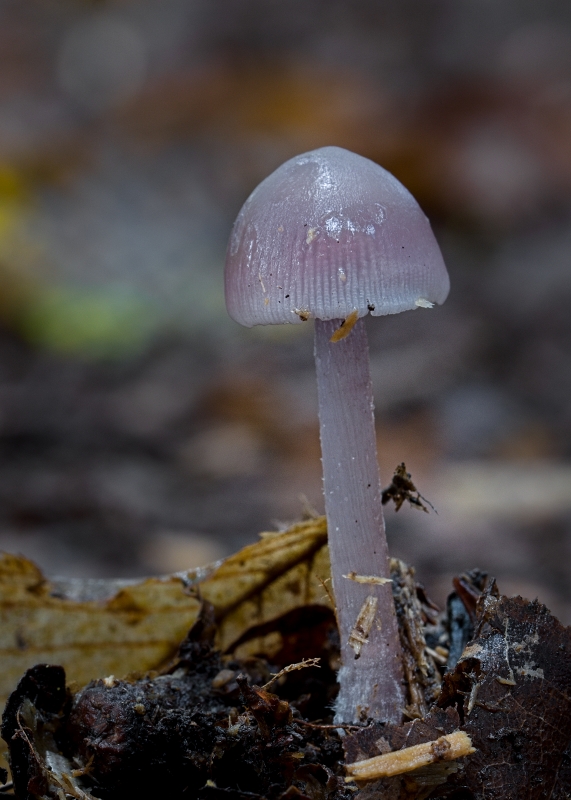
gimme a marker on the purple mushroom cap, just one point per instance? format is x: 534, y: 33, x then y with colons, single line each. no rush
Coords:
x: 330, y: 232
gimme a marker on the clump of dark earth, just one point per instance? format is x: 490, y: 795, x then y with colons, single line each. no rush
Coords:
x: 213, y: 727
x: 204, y: 729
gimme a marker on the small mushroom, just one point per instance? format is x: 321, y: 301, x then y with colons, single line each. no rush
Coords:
x: 332, y: 236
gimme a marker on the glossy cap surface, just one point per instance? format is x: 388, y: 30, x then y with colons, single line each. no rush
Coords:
x: 327, y: 233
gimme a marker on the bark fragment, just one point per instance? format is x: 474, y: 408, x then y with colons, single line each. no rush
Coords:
x: 520, y: 718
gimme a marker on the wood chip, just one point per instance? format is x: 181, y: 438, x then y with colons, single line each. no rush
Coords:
x: 446, y: 748
x: 363, y: 624
x: 373, y: 580
x: 346, y: 327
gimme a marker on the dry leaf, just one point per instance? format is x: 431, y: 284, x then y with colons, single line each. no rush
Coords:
x: 266, y: 580
x: 138, y: 626
x: 137, y: 629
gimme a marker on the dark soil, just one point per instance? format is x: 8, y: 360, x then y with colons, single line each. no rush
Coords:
x: 211, y: 726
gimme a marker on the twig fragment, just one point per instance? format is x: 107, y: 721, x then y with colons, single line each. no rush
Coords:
x: 446, y: 748
x: 327, y: 590
x: 346, y: 327
x: 363, y: 624
x: 372, y: 580
x: 307, y: 662
x: 440, y: 658
x: 328, y: 726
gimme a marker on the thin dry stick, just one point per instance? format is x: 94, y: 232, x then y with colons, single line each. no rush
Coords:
x: 373, y: 580
x: 307, y: 662
x: 446, y: 748
x: 327, y: 589
x: 326, y: 726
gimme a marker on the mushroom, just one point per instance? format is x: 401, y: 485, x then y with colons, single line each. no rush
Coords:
x: 333, y: 236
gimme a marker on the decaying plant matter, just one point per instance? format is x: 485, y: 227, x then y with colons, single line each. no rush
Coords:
x: 493, y: 722
x: 402, y: 489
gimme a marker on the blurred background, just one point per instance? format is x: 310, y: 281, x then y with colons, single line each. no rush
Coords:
x: 141, y: 430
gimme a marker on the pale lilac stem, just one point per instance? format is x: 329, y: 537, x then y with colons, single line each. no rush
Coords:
x: 371, y: 686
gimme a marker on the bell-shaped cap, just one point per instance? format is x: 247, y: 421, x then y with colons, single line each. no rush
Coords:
x: 330, y: 232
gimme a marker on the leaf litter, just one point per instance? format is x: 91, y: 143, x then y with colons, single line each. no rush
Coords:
x: 245, y: 707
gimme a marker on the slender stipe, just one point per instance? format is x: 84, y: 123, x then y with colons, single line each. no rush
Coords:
x: 371, y: 683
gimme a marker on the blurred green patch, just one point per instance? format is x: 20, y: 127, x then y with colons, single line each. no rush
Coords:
x: 89, y: 322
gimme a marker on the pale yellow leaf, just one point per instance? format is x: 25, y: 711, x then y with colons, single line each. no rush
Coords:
x: 137, y: 626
